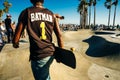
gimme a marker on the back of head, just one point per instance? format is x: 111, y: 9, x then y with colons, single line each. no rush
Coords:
x: 35, y: 1
x: 8, y: 15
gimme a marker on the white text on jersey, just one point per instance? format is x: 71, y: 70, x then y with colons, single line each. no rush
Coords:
x: 41, y: 16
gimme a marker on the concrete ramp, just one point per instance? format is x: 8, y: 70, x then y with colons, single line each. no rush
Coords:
x: 14, y: 63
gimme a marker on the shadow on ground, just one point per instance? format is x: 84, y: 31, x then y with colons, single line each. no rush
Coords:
x: 103, y: 33
x: 99, y: 47
x: 1, y: 47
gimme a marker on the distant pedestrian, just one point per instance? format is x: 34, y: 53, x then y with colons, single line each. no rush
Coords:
x: 40, y: 23
x: 13, y: 27
x: 3, y: 32
x: 8, y: 24
x: 23, y: 35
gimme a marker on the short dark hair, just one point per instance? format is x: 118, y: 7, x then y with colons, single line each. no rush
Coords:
x: 35, y: 1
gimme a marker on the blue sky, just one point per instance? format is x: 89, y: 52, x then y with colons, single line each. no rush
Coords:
x: 67, y: 8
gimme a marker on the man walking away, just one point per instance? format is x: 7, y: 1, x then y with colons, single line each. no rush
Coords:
x: 40, y: 22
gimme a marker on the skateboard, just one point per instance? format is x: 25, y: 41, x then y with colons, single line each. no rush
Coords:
x: 65, y: 56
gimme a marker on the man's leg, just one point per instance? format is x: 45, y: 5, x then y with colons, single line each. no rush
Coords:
x: 40, y: 68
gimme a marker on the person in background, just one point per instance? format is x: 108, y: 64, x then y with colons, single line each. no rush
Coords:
x: 8, y: 24
x: 13, y: 27
x: 23, y: 35
x: 40, y: 23
x: 3, y: 32
x: 1, y: 41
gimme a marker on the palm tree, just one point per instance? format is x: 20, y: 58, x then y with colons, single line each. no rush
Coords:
x: 115, y: 3
x: 90, y: 4
x: 1, y: 14
x: 108, y: 5
x: 82, y: 9
x: 7, y: 5
x: 94, y: 4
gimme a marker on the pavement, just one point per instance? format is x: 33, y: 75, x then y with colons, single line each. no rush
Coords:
x: 15, y: 65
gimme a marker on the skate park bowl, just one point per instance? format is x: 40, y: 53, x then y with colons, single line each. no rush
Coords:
x: 98, y: 48
x: 102, y: 49
x: 97, y: 58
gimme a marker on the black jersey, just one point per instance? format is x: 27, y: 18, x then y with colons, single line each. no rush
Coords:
x: 40, y: 25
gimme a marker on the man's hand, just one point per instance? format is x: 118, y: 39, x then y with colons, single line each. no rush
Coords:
x: 58, y: 16
x: 16, y: 45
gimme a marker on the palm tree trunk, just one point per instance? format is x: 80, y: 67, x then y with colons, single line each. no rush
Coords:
x: 114, y: 16
x: 109, y: 17
x: 89, y: 16
x: 84, y: 18
x: 94, y: 15
x: 80, y: 19
x: 109, y: 13
x: 84, y: 21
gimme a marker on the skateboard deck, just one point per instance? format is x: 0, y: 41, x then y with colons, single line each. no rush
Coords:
x: 66, y: 57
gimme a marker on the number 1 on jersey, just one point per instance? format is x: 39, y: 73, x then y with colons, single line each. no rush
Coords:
x: 43, y: 36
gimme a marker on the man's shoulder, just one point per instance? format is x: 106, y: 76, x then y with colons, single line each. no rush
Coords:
x: 24, y: 10
x: 31, y: 7
x: 48, y: 10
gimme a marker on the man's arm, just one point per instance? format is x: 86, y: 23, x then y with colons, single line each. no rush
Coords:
x: 58, y: 33
x: 18, y: 31
x: 22, y: 22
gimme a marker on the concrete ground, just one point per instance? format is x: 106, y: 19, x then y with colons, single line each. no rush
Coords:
x: 15, y: 65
